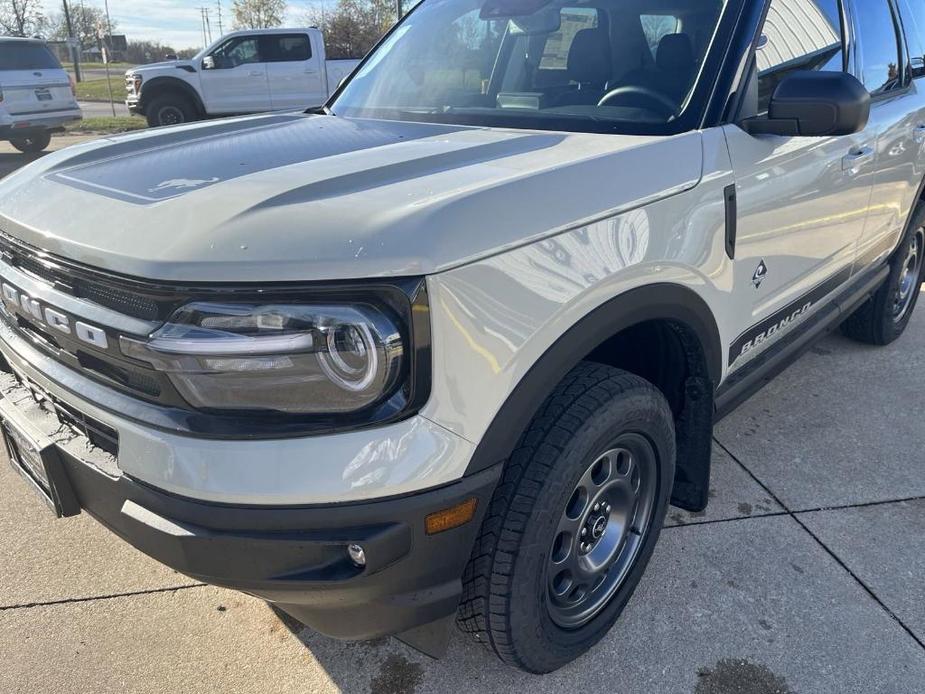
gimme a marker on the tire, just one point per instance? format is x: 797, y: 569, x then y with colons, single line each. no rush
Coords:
x: 32, y: 143
x: 516, y: 599
x: 884, y: 317
x: 170, y: 109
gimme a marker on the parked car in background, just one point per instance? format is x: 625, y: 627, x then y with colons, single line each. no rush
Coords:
x: 243, y: 72
x: 37, y: 96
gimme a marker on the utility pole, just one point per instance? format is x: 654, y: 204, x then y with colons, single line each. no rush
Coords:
x: 112, y: 100
x: 398, y: 10
x: 75, y: 48
x: 218, y: 4
x: 206, y: 29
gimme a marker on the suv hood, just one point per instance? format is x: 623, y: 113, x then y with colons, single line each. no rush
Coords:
x: 291, y: 197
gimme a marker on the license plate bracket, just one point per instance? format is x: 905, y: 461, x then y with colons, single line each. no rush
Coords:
x: 43, y: 95
x: 38, y: 461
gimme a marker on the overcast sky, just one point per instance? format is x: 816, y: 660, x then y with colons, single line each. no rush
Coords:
x: 174, y: 22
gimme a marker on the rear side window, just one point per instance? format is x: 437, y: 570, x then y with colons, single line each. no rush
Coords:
x: 913, y: 16
x: 799, y: 35
x: 282, y: 49
x: 558, y: 44
x: 27, y: 56
x: 880, y: 55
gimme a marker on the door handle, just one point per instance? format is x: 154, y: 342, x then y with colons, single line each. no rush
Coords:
x: 856, y: 158
x: 311, y: 71
x: 918, y: 134
x: 256, y: 73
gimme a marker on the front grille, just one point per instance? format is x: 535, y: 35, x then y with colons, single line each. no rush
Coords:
x: 119, y: 294
x: 118, y: 300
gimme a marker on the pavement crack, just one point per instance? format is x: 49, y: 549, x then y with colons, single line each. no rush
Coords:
x: 794, y: 515
x: 111, y: 596
x: 733, y: 519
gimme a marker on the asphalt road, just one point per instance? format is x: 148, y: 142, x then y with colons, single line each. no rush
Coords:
x: 804, y: 575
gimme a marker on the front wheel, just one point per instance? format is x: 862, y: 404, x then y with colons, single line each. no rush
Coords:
x: 574, y: 520
x: 884, y: 317
x: 32, y: 143
x: 169, y: 109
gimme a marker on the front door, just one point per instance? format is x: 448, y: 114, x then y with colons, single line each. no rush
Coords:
x: 802, y: 202
x: 234, y: 80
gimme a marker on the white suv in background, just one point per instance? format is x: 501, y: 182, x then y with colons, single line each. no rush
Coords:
x: 36, y: 94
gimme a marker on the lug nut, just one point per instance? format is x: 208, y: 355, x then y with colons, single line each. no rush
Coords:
x: 607, y: 508
x: 597, y: 506
x: 584, y: 531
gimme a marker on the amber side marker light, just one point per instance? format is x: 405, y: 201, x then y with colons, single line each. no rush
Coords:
x: 450, y: 518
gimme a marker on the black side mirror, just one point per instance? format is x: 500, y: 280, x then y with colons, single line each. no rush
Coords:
x: 814, y: 104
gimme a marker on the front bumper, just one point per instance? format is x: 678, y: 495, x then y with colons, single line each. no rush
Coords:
x: 293, y: 556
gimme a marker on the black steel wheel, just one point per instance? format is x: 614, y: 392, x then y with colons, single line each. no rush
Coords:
x: 574, y: 520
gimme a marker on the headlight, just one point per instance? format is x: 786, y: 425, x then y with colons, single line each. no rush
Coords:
x: 289, y: 358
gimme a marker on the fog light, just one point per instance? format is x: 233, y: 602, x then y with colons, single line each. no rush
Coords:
x: 357, y: 554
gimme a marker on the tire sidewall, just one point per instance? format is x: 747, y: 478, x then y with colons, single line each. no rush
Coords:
x: 37, y: 143
x: 540, y: 642
x: 158, y: 104
x: 891, y: 329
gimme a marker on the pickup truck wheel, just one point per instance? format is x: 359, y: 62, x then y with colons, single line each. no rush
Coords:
x: 573, y: 522
x: 884, y: 317
x: 32, y: 143
x: 169, y: 109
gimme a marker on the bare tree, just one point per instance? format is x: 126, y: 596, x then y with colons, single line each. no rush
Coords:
x: 89, y: 24
x: 258, y: 14
x: 21, y: 17
x: 352, y: 27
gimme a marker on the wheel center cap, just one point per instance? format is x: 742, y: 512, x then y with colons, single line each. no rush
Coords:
x: 598, y: 528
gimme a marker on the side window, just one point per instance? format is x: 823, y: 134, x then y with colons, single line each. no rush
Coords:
x: 798, y: 35
x: 284, y: 49
x: 658, y: 26
x: 234, y: 52
x: 879, y: 46
x: 913, y: 16
x: 558, y: 44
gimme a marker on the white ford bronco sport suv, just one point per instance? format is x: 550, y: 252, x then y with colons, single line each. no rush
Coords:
x: 243, y: 72
x: 448, y: 347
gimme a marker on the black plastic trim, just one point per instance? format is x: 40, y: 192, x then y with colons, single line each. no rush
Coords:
x: 654, y: 302
x: 295, y: 556
x: 732, y: 219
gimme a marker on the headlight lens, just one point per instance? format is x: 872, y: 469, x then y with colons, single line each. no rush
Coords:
x: 291, y: 358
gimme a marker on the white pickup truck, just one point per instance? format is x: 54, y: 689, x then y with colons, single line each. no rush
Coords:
x: 243, y: 72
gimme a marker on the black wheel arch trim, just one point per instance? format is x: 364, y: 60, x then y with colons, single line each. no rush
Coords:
x: 159, y: 85
x: 663, y: 301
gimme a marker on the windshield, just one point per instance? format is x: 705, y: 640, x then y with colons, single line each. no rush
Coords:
x: 600, y: 66
x: 20, y: 55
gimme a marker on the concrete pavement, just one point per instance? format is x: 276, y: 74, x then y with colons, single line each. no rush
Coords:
x: 102, y: 109
x: 804, y: 575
